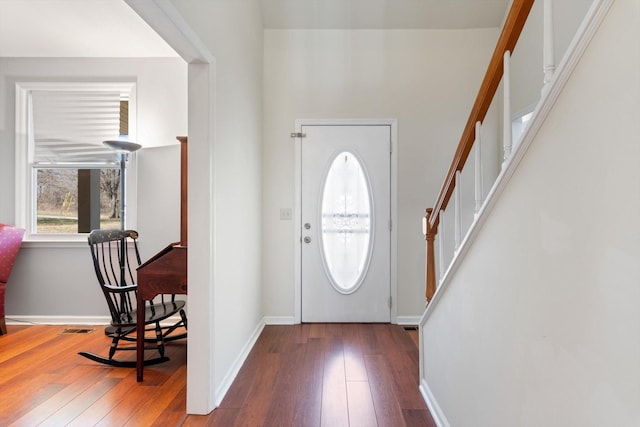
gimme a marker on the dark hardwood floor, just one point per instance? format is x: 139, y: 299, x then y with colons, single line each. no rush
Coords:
x: 300, y: 375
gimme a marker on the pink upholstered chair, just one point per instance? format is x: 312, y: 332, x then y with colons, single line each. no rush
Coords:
x: 10, y: 240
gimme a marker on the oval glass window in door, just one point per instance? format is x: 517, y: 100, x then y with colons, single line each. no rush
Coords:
x: 346, y: 223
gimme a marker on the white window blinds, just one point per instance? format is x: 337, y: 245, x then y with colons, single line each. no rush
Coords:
x: 69, y: 126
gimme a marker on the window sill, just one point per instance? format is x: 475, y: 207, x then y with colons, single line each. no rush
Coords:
x: 55, y: 241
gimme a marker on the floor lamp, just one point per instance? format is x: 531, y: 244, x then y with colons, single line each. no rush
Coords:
x: 123, y: 148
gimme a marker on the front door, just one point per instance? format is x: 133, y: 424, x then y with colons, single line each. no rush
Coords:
x: 345, y: 219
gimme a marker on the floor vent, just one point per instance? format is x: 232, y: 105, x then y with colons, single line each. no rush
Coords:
x: 77, y: 331
x: 410, y: 328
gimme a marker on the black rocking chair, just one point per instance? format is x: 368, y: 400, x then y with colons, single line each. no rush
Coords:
x: 115, y: 259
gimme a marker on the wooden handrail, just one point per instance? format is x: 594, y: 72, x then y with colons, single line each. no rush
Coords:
x: 511, y: 31
x: 508, y: 38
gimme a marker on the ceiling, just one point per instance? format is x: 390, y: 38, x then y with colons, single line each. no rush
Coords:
x: 383, y: 14
x: 76, y: 28
x: 110, y: 28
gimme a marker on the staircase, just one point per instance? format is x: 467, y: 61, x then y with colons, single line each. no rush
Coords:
x: 531, y: 285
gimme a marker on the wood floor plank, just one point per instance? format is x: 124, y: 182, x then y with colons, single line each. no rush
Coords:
x: 405, y: 377
x: 361, y: 409
x: 387, y: 409
x: 275, y: 338
x: 220, y: 417
x: 27, y: 392
x: 384, y: 339
x: 403, y: 340
x: 175, y: 413
x: 107, y: 403
x: 301, y: 333
x: 259, y: 398
x: 80, y: 403
x: 18, y: 342
x: 418, y: 418
x: 307, y: 411
x: 412, y: 333
x: 12, y: 329
x: 158, y: 399
x: 128, y: 404
x: 369, y: 340
x: 126, y: 399
x: 25, y: 401
x: 242, y: 385
x: 334, y: 387
x: 77, y: 383
x: 56, y: 350
x: 354, y: 353
x: 282, y: 403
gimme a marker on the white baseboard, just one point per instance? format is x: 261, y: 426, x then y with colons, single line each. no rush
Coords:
x: 73, y: 320
x: 279, y: 320
x: 289, y: 320
x: 57, y: 320
x: 408, y: 320
x: 222, y: 390
x: 432, y: 404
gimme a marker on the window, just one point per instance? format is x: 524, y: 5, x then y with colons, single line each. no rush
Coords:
x: 67, y: 180
x: 346, y: 223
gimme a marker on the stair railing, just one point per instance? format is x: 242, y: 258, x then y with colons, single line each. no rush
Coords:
x: 519, y: 129
x: 497, y: 71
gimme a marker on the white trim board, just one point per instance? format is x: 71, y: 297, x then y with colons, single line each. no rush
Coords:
x: 408, y: 320
x: 57, y: 320
x: 435, y: 410
x: 279, y: 320
x: 297, y: 220
x: 71, y: 320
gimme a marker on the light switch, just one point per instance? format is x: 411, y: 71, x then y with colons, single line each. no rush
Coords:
x: 285, y: 214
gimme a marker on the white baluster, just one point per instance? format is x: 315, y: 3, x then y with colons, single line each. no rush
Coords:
x: 456, y: 211
x: 506, y: 89
x: 549, y: 62
x: 441, y: 240
x: 478, y: 170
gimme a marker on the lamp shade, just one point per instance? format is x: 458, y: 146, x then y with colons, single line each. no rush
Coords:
x: 122, y: 146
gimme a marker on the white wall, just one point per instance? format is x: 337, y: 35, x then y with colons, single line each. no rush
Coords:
x: 540, y: 324
x: 50, y: 281
x: 232, y: 31
x: 426, y: 79
x: 158, y: 196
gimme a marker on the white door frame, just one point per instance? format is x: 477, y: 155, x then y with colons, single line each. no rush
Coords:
x: 393, y: 123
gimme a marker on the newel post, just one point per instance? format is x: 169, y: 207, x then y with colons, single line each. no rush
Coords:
x: 430, y: 237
